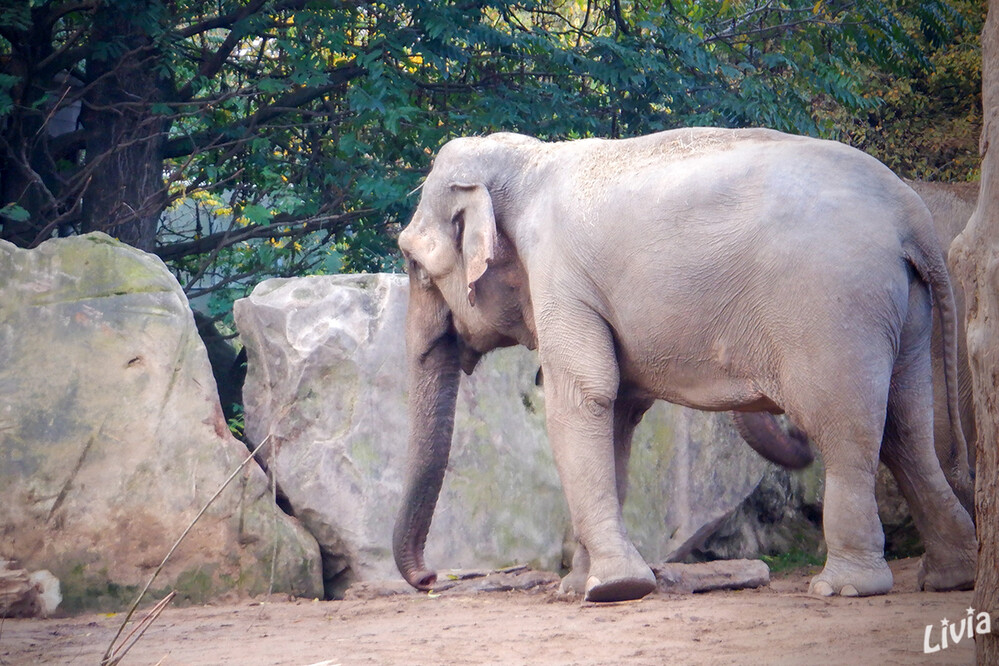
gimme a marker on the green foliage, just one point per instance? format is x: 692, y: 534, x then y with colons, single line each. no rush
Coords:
x: 293, y: 132
x: 14, y: 212
x: 794, y: 559
x: 237, y: 422
x: 929, y: 121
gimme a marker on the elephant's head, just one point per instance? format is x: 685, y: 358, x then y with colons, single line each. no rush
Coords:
x: 468, y: 294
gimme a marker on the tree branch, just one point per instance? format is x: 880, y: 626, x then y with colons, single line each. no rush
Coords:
x: 273, y: 230
x: 182, y: 146
x: 210, y: 66
x: 56, y: 12
x: 618, y: 17
x: 227, y: 20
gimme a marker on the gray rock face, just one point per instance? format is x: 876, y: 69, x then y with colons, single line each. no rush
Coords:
x: 783, y: 515
x: 112, y: 438
x: 689, y: 471
x: 326, y: 384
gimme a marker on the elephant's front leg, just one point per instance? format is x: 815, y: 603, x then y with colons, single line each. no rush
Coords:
x: 628, y: 413
x: 581, y: 382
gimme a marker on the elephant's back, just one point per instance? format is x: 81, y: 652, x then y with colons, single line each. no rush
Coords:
x: 800, y: 241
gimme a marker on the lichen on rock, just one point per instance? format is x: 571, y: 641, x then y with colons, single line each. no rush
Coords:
x: 112, y: 437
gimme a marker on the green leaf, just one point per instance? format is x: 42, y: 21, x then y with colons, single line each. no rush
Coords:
x: 271, y: 85
x: 14, y: 212
x: 257, y: 214
x: 332, y: 263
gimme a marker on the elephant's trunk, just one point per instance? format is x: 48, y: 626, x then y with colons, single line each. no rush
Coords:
x: 762, y: 432
x: 432, y: 353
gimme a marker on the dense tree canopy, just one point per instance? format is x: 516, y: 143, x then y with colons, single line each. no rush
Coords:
x: 240, y: 139
x: 929, y: 119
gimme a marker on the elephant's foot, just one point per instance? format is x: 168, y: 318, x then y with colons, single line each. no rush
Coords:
x: 574, y: 582
x: 852, y: 579
x: 956, y: 573
x: 619, y: 580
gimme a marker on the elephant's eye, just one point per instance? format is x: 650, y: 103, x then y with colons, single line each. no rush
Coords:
x: 458, y: 222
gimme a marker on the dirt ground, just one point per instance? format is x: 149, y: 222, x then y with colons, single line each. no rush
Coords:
x: 776, y: 625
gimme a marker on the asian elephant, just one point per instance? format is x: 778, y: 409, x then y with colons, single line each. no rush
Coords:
x: 742, y: 270
x: 951, y: 205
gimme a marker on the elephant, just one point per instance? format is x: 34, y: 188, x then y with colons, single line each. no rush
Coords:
x: 725, y: 270
x: 951, y: 205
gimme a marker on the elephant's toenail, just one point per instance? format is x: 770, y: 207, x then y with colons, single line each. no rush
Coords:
x: 849, y: 591
x: 822, y: 588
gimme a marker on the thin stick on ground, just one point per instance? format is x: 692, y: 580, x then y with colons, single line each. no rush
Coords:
x: 141, y: 627
x: 272, y: 473
x: 110, y: 657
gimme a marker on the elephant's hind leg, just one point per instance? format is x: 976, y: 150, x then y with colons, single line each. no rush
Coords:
x: 946, y: 528
x: 855, y: 564
x: 848, y: 433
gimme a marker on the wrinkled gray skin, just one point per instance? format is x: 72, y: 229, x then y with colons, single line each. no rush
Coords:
x: 764, y: 434
x: 951, y: 205
x: 741, y: 270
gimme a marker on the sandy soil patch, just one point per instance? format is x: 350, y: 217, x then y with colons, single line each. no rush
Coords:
x: 776, y: 625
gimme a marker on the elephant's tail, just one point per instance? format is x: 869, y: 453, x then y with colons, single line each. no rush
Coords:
x: 922, y: 250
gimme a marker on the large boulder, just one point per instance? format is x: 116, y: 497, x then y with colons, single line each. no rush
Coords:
x: 326, y: 389
x: 112, y: 438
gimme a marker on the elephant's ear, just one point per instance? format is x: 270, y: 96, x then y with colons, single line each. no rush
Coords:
x: 478, y: 238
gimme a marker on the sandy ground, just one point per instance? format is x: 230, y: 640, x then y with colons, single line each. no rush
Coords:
x: 776, y: 625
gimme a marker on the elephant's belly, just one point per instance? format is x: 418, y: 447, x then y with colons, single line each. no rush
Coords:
x: 705, y: 385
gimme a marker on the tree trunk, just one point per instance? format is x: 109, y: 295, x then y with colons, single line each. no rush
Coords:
x: 975, y: 257
x: 125, y: 138
x: 27, y: 171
